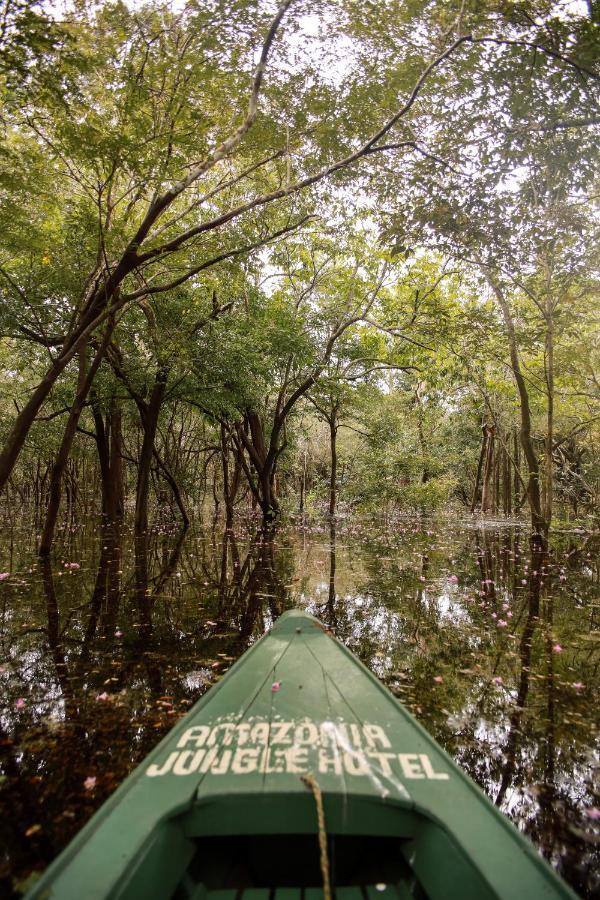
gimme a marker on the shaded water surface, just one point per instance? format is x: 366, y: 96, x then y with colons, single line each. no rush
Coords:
x: 494, y: 648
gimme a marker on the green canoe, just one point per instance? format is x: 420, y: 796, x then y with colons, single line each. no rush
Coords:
x: 231, y: 802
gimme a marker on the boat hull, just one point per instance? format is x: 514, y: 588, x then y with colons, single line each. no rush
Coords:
x: 222, y: 803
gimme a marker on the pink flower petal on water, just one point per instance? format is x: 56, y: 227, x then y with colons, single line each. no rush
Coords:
x: 497, y: 679
x: 4, y: 576
x: 502, y: 623
x: 578, y: 685
x: 90, y: 783
x: 102, y: 696
x: 276, y: 686
x: 557, y: 648
x: 20, y: 703
x: 438, y: 679
x: 118, y: 633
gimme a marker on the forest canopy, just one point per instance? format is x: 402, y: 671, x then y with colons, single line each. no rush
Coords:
x: 286, y: 257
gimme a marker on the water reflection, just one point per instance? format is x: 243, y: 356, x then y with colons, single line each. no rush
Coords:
x: 491, y: 643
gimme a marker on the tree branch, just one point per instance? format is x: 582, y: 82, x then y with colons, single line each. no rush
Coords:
x: 365, y: 149
x: 228, y: 254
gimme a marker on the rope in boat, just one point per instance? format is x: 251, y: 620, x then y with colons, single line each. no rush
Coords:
x: 311, y: 782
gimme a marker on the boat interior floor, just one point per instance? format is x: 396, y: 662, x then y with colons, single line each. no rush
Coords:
x: 287, y: 867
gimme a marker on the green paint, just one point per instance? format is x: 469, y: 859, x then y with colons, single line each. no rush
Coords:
x: 220, y: 805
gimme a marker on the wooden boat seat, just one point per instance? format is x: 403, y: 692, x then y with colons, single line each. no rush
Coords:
x: 287, y: 867
x: 371, y: 892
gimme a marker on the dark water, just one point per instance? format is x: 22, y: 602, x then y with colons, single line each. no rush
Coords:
x: 495, y: 650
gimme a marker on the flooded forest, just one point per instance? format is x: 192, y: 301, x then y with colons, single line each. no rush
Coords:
x: 299, y: 308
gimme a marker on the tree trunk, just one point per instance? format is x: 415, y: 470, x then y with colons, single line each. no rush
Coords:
x: 506, y: 484
x: 231, y: 479
x: 538, y: 522
x: 250, y: 435
x: 103, y: 447
x: 302, y: 484
x: 515, y: 733
x: 225, y: 466
x: 482, y: 457
x: 497, y: 464
x: 84, y: 384
x: 116, y: 460
x: 487, y: 474
x: 333, y: 477
x: 78, y: 338
x: 332, y: 562
x: 215, y: 494
x: 517, y: 481
x: 175, y: 490
x: 150, y: 424
x: 268, y: 502
x: 549, y: 447
x: 25, y: 420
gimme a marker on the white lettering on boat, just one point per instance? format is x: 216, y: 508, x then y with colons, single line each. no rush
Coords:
x: 294, y: 747
x: 245, y: 760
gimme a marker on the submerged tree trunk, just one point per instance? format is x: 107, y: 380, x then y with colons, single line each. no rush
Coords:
x: 225, y: 466
x: 517, y: 481
x: 101, y: 436
x: 264, y: 461
x: 249, y: 436
x: 506, y: 484
x: 488, y: 470
x: 497, y: 467
x: 84, y: 384
x: 332, y: 619
x: 175, y: 490
x: 538, y: 521
x: 149, y: 416
x: 231, y: 479
x: 116, y: 473
x: 482, y: 457
x: 302, y: 485
x: 109, y: 443
x: 515, y: 733
x: 549, y: 444
x: 333, y: 429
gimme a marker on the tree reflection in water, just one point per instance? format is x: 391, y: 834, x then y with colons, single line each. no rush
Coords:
x: 491, y: 643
